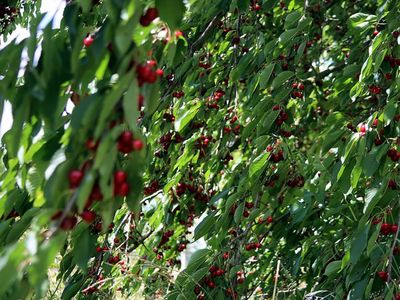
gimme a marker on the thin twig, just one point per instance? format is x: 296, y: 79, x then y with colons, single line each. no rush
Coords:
x: 276, y: 279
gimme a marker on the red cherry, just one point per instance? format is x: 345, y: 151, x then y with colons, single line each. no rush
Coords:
x: 137, y: 145
x: 91, y: 144
x: 181, y: 247
x: 99, y: 249
x: 88, y: 216
x: 68, y: 223
x: 249, y: 247
x: 122, y: 190
x: 383, y: 275
x: 88, y: 41
x: 211, y: 284
x: 397, y: 297
x: 388, y: 76
x: 249, y: 205
x: 152, y: 13
x: 144, y: 21
x: 197, y: 290
x: 386, y: 228
x: 120, y: 177
x: 375, y: 123
x: 126, y: 137
x: 363, y: 129
x: 375, y: 33
x: 75, y: 178
x: 301, y: 87
x: 178, y: 34
x: 246, y: 214
x: 392, y: 184
x: 160, y: 72
x: 151, y: 63
x: 113, y: 259
x: 394, y: 228
x: 270, y: 220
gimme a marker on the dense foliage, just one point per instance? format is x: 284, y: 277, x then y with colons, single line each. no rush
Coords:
x: 270, y: 129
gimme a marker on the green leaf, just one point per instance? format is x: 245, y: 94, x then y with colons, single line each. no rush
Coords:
x: 288, y: 35
x: 204, y: 226
x: 84, y: 243
x: 282, y: 78
x: 265, y: 75
x: 257, y: 166
x: 359, y: 244
x: 239, y: 213
x: 188, y: 115
x: 85, y: 189
x: 292, y: 19
x: 197, y: 259
x: 171, y: 12
x: 10, y: 260
x: 130, y: 105
x: 379, y: 59
x: 332, y: 268
x: 361, y: 21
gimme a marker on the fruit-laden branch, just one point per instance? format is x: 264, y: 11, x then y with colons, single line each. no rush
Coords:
x: 391, y: 254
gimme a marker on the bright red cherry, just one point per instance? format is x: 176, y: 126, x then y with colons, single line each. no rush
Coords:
x: 88, y: 41
x: 178, y: 34
x: 160, y: 72
x: 270, y: 220
x: 137, y: 145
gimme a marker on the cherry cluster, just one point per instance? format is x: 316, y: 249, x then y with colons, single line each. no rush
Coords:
x: 148, y: 72
x: 282, y: 117
x: 300, y: 87
x: 212, y: 102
